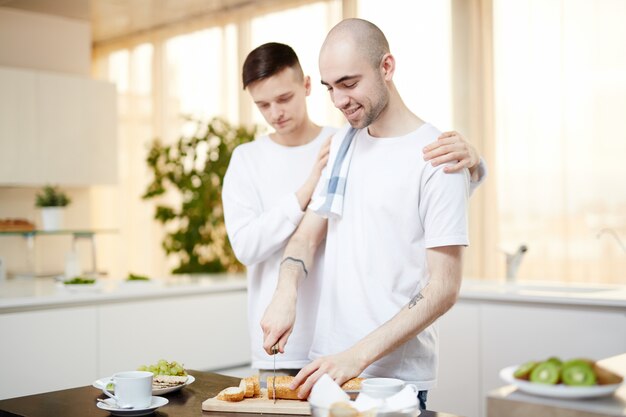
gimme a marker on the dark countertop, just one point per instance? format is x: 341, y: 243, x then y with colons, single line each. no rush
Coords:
x: 81, y: 402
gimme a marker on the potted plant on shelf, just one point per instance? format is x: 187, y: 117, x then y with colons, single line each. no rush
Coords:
x: 52, y: 202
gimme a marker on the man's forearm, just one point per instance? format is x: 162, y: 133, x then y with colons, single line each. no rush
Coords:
x: 439, y: 295
x: 279, y: 317
x: 296, y: 263
x: 299, y: 253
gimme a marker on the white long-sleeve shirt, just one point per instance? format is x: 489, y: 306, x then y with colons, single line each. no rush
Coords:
x: 261, y: 212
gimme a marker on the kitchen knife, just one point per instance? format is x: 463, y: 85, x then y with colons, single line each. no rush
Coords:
x: 274, y: 352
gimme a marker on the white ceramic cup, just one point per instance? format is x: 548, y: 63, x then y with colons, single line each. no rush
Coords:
x: 384, y: 387
x: 132, y: 388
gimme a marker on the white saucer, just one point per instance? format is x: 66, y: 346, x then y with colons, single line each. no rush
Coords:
x: 109, y: 405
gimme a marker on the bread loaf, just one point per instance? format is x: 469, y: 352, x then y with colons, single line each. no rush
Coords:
x: 232, y: 394
x: 257, y: 385
x: 282, y: 388
x: 247, y: 385
x: 353, y: 384
x: 283, y: 392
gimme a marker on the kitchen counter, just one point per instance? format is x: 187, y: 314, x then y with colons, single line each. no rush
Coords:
x: 28, y: 294
x: 509, y: 402
x: 82, y: 401
x: 547, y: 292
x: 494, y: 325
x: 201, y: 322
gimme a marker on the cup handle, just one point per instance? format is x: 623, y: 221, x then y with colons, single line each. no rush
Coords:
x: 413, y: 387
x: 106, y: 391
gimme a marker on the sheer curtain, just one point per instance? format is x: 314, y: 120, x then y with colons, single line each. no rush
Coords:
x: 136, y: 247
x: 560, y: 82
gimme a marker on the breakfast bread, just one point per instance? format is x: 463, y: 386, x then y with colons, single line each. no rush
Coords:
x: 168, y: 380
x: 257, y: 385
x: 282, y: 388
x: 353, y: 384
x: 247, y: 385
x: 16, y: 225
x: 341, y: 409
x: 232, y: 394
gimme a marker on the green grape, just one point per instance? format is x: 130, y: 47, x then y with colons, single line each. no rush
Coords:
x: 163, y: 367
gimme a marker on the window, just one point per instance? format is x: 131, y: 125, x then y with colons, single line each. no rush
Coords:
x: 419, y: 37
x: 560, y: 82
x: 304, y: 29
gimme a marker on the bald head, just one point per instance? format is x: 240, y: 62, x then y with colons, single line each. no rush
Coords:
x: 362, y: 36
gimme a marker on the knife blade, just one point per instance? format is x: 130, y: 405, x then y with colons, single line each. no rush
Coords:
x: 274, y: 352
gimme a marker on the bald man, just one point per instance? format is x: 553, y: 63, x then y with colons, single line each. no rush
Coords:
x: 395, y: 229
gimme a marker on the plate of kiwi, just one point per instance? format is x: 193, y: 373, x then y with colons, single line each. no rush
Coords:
x: 553, y: 377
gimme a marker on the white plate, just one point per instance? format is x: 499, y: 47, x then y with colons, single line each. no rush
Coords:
x: 109, y: 405
x: 96, y: 286
x: 556, y: 391
x: 99, y: 383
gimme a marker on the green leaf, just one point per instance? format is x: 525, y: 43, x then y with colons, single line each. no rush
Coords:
x: 193, y: 169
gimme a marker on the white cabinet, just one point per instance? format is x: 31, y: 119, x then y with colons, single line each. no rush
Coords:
x: 458, y: 391
x: 66, y: 347
x: 56, y: 128
x: 19, y: 133
x: 47, y: 350
x: 202, y: 332
x: 479, y: 338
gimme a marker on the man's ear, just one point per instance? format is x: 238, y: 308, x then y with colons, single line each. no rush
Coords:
x: 307, y: 85
x: 388, y: 66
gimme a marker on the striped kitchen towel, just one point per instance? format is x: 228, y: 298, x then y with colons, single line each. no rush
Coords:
x: 331, y: 202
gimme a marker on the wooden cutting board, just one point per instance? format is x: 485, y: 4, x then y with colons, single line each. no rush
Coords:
x: 260, y: 404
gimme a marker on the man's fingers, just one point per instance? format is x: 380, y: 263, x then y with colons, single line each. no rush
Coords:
x: 448, y: 134
x: 449, y: 141
x: 282, y: 342
x: 269, y: 340
x: 441, y: 150
x: 454, y: 168
x: 302, y: 375
x: 305, y: 389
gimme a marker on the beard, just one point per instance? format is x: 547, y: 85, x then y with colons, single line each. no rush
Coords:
x: 379, y: 101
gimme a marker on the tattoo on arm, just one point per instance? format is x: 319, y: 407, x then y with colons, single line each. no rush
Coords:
x: 298, y: 261
x: 415, y: 299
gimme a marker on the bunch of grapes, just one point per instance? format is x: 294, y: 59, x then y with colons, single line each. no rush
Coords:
x: 163, y: 367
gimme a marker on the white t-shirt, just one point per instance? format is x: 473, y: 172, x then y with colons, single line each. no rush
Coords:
x: 396, y: 206
x: 261, y: 212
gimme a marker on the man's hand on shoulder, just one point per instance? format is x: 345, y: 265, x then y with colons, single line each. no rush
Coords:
x: 453, y: 147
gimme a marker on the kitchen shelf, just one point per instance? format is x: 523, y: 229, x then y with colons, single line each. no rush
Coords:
x: 76, y: 234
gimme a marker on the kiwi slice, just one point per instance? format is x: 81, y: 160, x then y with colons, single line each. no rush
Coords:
x: 578, y: 373
x: 546, y: 373
x: 555, y: 360
x: 524, y: 370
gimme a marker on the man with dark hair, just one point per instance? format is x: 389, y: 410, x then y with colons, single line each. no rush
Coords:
x: 268, y: 187
x: 394, y: 229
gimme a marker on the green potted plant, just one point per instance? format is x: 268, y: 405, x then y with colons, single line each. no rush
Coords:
x: 191, y: 171
x: 52, y: 202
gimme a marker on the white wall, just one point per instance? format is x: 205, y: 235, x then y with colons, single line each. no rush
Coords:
x: 44, y: 42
